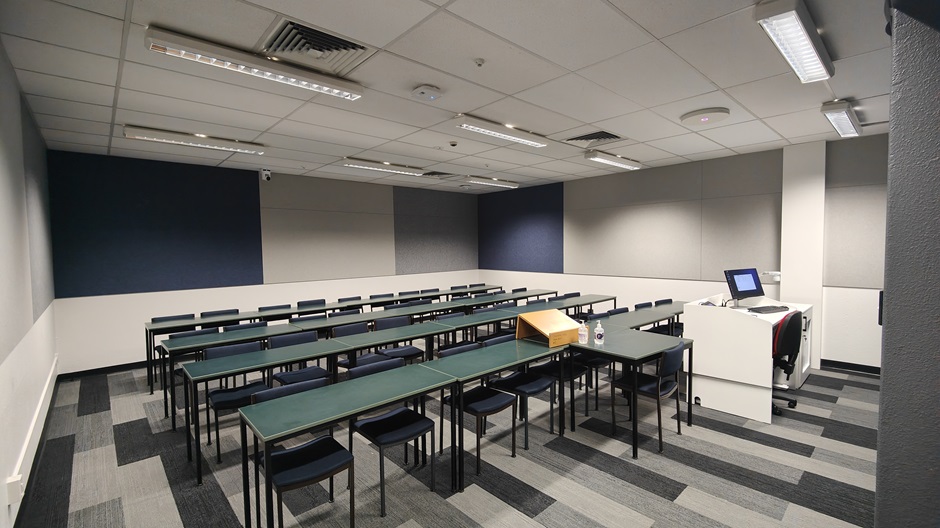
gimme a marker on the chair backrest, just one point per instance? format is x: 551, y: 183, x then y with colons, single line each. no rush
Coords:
x: 431, y: 290
x: 787, y: 339
x: 593, y: 316
x: 572, y: 294
x: 374, y: 368
x: 190, y: 333
x: 292, y: 339
x: 615, y: 311
x: 351, y: 311
x: 381, y: 295
x: 287, y: 390
x: 392, y: 322
x: 505, y: 338
x: 458, y: 349
x: 273, y: 307
x: 351, y: 329
x: 556, y: 298
x: 458, y: 287
x: 211, y: 313
x: 344, y: 299
x: 507, y: 304
x: 478, y: 295
x: 477, y: 285
x: 232, y: 350
x: 311, y: 302
x: 404, y: 304
x: 244, y: 326
x: 641, y: 306
x: 663, y: 301
x: 421, y: 301
x: 499, y: 291
x: 165, y: 318
x: 306, y: 318
x: 450, y: 316
x: 459, y: 295
x: 410, y: 292
x: 487, y: 309
x: 517, y: 290
x: 671, y: 361
x: 535, y: 301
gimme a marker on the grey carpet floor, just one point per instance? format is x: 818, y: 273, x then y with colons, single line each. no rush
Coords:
x: 109, y: 459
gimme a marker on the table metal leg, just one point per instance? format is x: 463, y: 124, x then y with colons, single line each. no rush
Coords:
x: 268, y: 492
x: 189, y: 444
x: 688, y: 388
x: 458, y: 404
x: 571, y: 387
x: 172, y: 377
x: 243, y: 431
x: 195, y: 391
x: 149, y: 344
x: 633, y: 409
x: 561, y: 394
x: 454, y: 469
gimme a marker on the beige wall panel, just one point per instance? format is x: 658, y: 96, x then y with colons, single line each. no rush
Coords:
x: 320, y: 194
x: 740, y: 233
x: 744, y: 175
x: 859, y: 161
x: 854, y: 255
x: 674, y: 183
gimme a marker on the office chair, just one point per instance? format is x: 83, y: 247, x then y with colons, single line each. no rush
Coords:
x: 305, y: 373
x: 311, y: 302
x: 340, y: 313
x: 213, y: 313
x: 788, y: 336
x: 226, y: 399
x: 352, y: 329
x: 306, y: 464
x: 244, y: 326
x: 407, y: 352
x: 659, y: 386
x: 615, y: 311
x: 398, y: 426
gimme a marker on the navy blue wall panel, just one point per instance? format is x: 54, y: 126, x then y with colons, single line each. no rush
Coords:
x: 122, y: 225
x: 523, y: 229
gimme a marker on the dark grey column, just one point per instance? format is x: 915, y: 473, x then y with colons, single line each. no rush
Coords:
x: 908, y: 471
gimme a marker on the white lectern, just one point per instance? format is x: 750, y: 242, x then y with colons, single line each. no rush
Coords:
x: 733, y: 369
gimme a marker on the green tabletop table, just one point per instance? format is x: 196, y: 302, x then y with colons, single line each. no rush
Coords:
x: 283, y: 418
x: 502, y: 297
x: 473, y: 321
x: 393, y: 335
x: 564, y: 304
x: 368, y: 317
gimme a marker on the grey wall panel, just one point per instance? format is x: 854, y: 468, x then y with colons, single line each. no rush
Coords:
x: 434, y: 231
x: 653, y: 240
x: 858, y: 161
x: 674, y: 183
x: 740, y: 234
x: 37, y: 216
x: 854, y: 247
x: 748, y: 174
x: 300, y: 245
x: 322, y: 194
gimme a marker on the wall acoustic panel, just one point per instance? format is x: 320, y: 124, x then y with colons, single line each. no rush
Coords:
x: 854, y: 247
x: 740, y: 233
x: 858, y: 161
x: 522, y: 230
x: 37, y: 217
x: 744, y: 175
x: 316, y: 229
x: 674, y: 183
x: 434, y: 231
x: 122, y: 225
x: 650, y: 240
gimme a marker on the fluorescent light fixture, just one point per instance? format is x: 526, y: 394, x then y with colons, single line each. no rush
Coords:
x: 608, y: 159
x: 496, y: 130
x: 842, y: 117
x: 183, y: 47
x: 192, y: 140
x: 789, y: 26
x: 492, y: 182
x: 382, y: 166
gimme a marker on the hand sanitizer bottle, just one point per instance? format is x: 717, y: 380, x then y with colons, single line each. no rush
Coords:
x: 599, y: 334
x: 583, y: 333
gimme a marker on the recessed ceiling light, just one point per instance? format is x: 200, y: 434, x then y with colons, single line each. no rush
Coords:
x: 609, y: 159
x: 705, y: 116
x: 382, y: 166
x: 492, y: 182
x: 505, y: 132
x: 192, y: 140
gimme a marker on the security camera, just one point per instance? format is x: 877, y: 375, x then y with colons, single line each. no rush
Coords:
x: 265, y: 174
x: 453, y: 143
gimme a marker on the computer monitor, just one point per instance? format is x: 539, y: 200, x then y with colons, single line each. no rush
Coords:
x: 744, y: 283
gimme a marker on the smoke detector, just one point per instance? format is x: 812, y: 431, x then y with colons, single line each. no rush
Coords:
x: 426, y: 92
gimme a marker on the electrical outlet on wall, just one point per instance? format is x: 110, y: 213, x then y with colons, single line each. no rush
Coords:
x: 15, y: 488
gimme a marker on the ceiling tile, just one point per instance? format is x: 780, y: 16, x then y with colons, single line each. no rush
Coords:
x: 62, y: 25
x: 827, y: 136
x: 579, y: 98
x: 484, y: 164
x: 409, y: 181
x: 335, y: 172
x: 326, y: 116
x: 385, y: 157
x: 676, y: 160
x: 186, y: 126
x: 593, y: 26
x: 533, y: 172
x: 641, y: 152
x: 306, y: 145
x: 712, y: 154
x: 326, y: 135
x: 65, y: 136
x: 432, y: 139
x: 270, y: 162
x: 31, y: 55
x: 61, y: 88
x: 399, y: 76
x: 275, y: 170
x: 310, y: 160
x: 516, y: 157
x: 75, y: 147
x: 760, y: 147
x: 418, y: 152
x: 76, y: 110
x: 801, y: 123
x: 447, y: 43
x: 741, y: 134
x: 375, y: 23
x: 166, y: 148
x: 386, y: 106
x: 783, y: 94
x: 685, y: 144
x: 563, y: 167
x: 207, y: 113
x: 873, y: 109
x: 729, y: 50
x: 665, y: 17
x: 642, y: 126
x: 862, y: 76
x: 649, y: 75
x: 242, y: 26
x: 72, y: 125
x: 457, y: 168
x: 111, y: 8
x: 525, y: 116
x: 162, y: 156
x: 850, y: 27
x: 674, y: 111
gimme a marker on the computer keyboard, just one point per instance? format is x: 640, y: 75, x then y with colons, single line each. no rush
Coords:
x: 768, y: 309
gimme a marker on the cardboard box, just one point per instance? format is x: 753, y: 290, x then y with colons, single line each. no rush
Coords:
x: 555, y: 326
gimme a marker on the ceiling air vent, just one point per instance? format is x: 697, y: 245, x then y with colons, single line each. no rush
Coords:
x: 593, y: 139
x: 310, y: 47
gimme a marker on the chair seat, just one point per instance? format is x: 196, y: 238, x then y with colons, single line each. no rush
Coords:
x: 221, y: 399
x: 365, y: 359
x: 403, y: 352
x: 526, y: 383
x: 486, y: 400
x: 661, y: 329
x: 589, y: 361
x: 394, y: 427
x: 646, y: 384
x: 551, y: 369
x: 315, y: 460
x: 304, y: 374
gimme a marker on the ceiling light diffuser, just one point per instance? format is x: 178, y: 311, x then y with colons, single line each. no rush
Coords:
x: 496, y: 130
x: 492, y: 182
x: 608, y: 159
x: 183, y: 47
x: 790, y: 27
x: 842, y: 118
x: 705, y: 116
x: 382, y: 166
x: 192, y: 140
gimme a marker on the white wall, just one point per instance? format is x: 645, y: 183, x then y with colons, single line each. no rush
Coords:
x: 852, y: 334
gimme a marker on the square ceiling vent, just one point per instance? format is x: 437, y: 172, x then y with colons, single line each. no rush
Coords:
x: 303, y: 45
